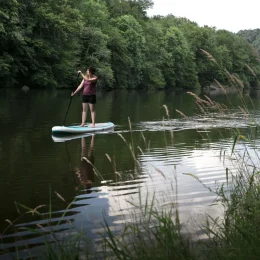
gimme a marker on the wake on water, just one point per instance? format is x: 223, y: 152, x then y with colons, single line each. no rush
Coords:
x: 202, y: 123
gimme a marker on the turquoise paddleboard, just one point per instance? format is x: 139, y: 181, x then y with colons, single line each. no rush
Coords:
x: 77, y: 129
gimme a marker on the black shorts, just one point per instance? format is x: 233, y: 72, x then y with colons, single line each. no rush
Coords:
x: 89, y: 99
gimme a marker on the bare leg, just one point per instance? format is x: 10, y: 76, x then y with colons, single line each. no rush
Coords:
x: 83, y: 147
x: 84, y: 113
x: 93, y: 114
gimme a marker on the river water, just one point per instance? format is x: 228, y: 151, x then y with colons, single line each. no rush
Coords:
x: 39, y: 170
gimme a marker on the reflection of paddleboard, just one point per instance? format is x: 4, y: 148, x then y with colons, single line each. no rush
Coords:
x: 64, y: 138
x: 77, y: 129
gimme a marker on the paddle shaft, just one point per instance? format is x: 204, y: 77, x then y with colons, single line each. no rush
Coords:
x: 69, y: 103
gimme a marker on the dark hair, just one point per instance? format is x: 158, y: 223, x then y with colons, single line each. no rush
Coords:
x: 91, y: 70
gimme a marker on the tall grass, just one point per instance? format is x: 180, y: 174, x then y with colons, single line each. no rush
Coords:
x: 45, y: 227
x: 236, y: 234
x: 148, y: 234
x: 153, y: 235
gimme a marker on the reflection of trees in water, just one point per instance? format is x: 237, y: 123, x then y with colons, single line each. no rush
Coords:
x: 54, y: 226
x: 84, y: 214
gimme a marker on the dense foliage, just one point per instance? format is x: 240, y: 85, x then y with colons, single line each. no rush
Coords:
x: 252, y: 36
x: 44, y: 43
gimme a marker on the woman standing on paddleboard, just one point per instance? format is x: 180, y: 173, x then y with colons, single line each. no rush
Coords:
x: 89, y: 83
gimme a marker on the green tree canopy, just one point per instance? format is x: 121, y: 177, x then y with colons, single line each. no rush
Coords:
x: 44, y: 43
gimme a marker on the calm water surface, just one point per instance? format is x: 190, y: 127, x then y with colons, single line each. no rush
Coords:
x: 36, y: 166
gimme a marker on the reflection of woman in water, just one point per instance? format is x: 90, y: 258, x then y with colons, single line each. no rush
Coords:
x: 86, y: 173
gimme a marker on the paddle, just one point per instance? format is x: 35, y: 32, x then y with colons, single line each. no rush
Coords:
x: 69, y: 103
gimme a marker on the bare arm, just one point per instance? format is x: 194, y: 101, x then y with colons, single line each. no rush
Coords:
x: 78, y: 89
x: 82, y: 75
x: 93, y: 79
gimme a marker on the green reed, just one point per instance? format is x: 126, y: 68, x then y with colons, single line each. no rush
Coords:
x: 153, y: 234
x: 235, y: 235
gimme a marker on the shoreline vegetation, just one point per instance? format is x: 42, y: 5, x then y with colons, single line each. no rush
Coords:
x: 44, y: 44
x: 154, y: 232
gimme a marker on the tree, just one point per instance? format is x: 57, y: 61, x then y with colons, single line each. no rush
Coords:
x: 179, y: 68
x: 39, y: 42
x: 94, y: 41
x: 155, y: 56
x: 134, y: 38
x: 12, y: 43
